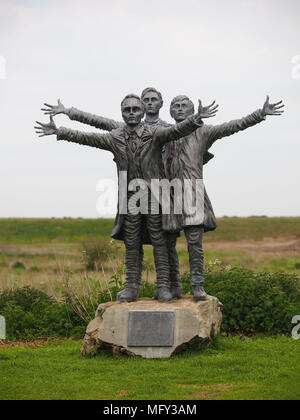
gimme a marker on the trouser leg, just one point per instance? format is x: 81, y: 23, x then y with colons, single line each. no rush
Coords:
x: 132, y: 239
x: 161, y: 258
x: 175, y: 282
x: 194, y: 237
x: 141, y: 258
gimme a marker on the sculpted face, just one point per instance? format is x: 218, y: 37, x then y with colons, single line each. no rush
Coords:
x: 152, y: 103
x: 132, y: 111
x: 181, y: 109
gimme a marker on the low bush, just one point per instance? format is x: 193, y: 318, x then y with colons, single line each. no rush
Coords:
x: 35, y: 269
x: 18, y: 265
x: 31, y: 314
x: 252, y: 303
x: 256, y: 302
x: 97, y: 251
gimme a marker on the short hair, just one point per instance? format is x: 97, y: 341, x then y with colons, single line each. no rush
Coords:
x: 132, y: 95
x: 151, y: 89
x: 181, y: 98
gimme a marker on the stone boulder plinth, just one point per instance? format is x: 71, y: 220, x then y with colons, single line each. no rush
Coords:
x: 152, y: 329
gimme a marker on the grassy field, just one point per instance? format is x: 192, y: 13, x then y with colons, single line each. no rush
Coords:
x: 68, y: 230
x: 51, y: 257
x: 260, y: 368
x: 48, y: 255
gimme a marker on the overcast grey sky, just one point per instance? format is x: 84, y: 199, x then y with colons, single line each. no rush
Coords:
x: 91, y: 53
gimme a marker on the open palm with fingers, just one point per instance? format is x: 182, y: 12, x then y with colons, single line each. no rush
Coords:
x: 273, y: 109
x: 207, y: 111
x: 53, y: 110
x: 46, y: 129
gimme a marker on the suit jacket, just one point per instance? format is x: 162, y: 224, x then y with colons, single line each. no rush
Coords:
x: 152, y: 141
x: 108, y: 124
x: 171, y: 222
x: 192, y: 154
x: 205, y: 136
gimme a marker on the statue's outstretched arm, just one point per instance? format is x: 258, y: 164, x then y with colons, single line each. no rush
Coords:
x: 227, y: 129
x: 101, y: 141
x: 81, y: 116
x: 186, y: 127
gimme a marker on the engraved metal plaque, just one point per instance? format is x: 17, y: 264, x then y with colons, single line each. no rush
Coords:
x: 150, y: 328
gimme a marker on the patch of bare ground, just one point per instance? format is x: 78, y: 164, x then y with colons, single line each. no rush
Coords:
x: 218, y: 387
x: 278, y: 246
x: 204, y: 395
x: 214, y: 390
x: 22, y: 249
x: 32, y: 344
x: 122, y: 393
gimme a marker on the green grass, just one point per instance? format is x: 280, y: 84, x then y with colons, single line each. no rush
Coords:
x: 256, y: 262
x: 260, y: 368
x: 69, y: 230
x: 45, y: 230
x: 51, y: 249
x: 255, y: 228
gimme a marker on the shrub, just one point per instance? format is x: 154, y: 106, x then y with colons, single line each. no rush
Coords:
x: 35, y: 269
x: 31, y: 314
x: 18, y: 265
x: 96, y: 251
x: 256, y: 302
x: 253, y: 303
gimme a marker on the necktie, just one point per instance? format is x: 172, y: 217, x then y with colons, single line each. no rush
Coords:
x: 133, y: 140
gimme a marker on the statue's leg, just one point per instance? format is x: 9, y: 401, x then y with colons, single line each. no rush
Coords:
x: 160, y: 249
x: 176, y: 286
x: 194, y: 236
x: 141, y: 258
x: 132, y: 239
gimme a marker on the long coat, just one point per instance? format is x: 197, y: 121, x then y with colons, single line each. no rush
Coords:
x: 172, y: 221
x: 204, y: 137
x: 186, y: 157
x: 152, y: 141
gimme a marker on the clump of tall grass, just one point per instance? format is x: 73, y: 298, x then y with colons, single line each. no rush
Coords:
x: 98, y: 251
x: 85, y: 295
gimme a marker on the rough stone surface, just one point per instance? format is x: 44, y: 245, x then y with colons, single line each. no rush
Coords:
x: 195, y: 324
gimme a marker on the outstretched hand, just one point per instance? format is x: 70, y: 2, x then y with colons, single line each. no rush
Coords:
x: 207, y: 111
x: 273, y: 109
x: 46, y: 129
x: 53, y: 110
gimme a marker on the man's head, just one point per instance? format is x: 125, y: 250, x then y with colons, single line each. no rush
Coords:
x: 152, y: 101
x: 181, y: 107
x: 132, y: 109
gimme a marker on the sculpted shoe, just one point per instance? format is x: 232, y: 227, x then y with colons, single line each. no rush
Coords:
x: 163, y: 294
x: 176, y: 285
x: 129, y: 294
x: 176, y: 290
x: 199, y: 293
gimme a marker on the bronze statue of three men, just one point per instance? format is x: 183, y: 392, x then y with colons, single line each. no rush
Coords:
x: 152, y: 149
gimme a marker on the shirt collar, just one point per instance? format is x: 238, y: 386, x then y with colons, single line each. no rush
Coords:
x: 158, y: 121
x: 138, y: 131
